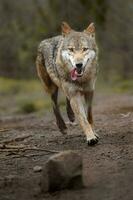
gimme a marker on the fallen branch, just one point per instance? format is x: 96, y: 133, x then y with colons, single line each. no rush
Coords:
x: 17, y: 139
x: 28, y: 156
x: 4, y: 146
x: 25, y: 148
x: 4, y: 129
x: 39, y: 149
x: 9, y: 150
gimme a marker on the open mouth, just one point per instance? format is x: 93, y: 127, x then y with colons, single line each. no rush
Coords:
x: 75, y: 73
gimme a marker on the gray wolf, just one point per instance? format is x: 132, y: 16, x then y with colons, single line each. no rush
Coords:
x: 69, y: 62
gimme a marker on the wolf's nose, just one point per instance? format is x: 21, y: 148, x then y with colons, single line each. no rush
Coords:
x: 79, y: 65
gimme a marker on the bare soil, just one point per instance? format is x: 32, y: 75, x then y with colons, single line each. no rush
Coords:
x: 108, y: 166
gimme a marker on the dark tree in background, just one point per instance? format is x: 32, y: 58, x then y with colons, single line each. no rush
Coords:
x: 25, y: 23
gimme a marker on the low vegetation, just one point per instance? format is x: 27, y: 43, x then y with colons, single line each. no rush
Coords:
x: 27, y: 96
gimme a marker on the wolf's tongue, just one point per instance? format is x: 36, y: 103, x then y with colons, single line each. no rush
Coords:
x: 73, y: 74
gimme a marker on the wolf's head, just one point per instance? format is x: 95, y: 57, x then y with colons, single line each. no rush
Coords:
x: 78, y: 50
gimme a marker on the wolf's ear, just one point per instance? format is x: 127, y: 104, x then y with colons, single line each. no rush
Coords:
x: 66, y: 29
x: 90, y: 29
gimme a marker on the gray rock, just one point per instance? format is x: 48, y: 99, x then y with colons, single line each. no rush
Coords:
x: 63, y: 170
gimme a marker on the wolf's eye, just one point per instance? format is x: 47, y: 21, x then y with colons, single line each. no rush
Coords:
x: 71, y: 49
x: 85, y: 49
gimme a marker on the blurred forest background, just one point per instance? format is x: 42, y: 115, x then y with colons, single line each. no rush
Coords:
x: 23, y: 24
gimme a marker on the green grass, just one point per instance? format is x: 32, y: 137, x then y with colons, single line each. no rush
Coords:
x: 27, y: 96
x: 12, y: 86
x: 114, y: 86
x: 28, y: 107
x: 22, y: 96
x: 124, y: 86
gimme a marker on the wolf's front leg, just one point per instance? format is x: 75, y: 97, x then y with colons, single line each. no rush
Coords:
x: 79, y: 111
x: 88, y: 99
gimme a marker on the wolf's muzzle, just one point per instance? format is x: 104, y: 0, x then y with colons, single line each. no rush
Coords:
x: 79, y: 68
x: 79, y: 65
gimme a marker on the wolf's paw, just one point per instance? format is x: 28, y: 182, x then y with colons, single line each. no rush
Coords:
x: 92, y: 141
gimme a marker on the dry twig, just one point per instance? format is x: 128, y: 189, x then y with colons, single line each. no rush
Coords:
x: 4, y: 129
x: 17, y: 139
x: 24, y: 148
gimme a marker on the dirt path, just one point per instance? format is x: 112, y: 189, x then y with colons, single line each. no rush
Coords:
x: 108, y: 167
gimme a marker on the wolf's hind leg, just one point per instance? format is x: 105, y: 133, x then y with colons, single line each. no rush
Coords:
x: 59, y: 120
x: 70, y: 112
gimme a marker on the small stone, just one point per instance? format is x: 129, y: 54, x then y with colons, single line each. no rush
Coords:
x: 37, y: 169
x: 63, y: 170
